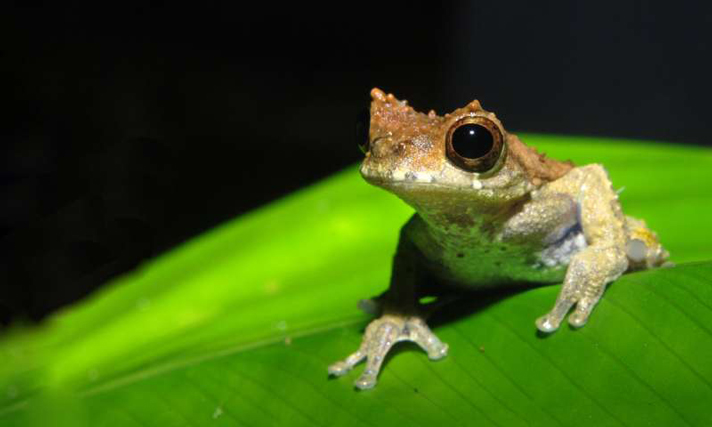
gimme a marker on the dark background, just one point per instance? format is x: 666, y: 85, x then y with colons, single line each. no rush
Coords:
x: 127, y: 130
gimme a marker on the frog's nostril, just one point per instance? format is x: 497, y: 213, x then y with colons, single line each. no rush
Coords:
x: 378, y: 147
x: 401, y: 147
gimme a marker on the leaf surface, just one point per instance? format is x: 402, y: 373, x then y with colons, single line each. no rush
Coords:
x: 237, y: 326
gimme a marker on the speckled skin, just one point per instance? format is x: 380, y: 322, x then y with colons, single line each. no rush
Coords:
x: 526, y: 220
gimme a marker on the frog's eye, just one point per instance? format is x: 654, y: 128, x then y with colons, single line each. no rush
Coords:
x: 475, y: 144
x: 363, y: 123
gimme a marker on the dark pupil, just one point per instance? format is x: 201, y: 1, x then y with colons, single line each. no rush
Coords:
x: 472, y: 141
x: 363, y: 122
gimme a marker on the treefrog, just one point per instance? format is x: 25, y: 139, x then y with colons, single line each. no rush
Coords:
x: 490, y: 212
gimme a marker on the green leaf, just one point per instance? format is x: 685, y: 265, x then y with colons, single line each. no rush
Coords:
x: 237, y: 326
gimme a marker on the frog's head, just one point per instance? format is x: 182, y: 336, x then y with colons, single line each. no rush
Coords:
x: 464, y: 159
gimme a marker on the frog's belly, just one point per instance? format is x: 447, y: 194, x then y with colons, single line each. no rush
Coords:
x: 475, y: 272
x: 494, y: 264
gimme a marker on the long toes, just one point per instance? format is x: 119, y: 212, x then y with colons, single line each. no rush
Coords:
x: 577, y: 319
x: 580, y: 316
x: 367, y: 380
x: 339, y: 368
x: 343, y: 366
x: 548, y: 323
x: 551, y: 321
x: 438, y: 352
x: 380, y: 336
x: 419, y: 333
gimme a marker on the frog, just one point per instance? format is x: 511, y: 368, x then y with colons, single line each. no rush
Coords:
x: 490, y: 212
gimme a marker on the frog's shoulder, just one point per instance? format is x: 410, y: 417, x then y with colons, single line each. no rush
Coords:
x: 539, y: 168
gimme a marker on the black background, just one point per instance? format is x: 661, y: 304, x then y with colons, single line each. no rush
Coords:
x: 127, y: 130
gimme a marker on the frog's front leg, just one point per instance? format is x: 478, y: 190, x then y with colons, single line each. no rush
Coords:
x: 603, y: 260
x: 402, y: 319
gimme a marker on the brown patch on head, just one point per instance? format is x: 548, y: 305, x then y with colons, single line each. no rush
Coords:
x: 539, y: 168
x: 406, y: 129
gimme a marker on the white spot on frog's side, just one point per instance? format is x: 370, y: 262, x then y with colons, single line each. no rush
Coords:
x: 476, y: 184
x: 398, y: 175
x: 217, y: 413
x: 636, y: 250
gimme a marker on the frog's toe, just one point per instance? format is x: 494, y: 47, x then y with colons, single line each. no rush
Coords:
x: 584, y: 306
x: 547, y: 324
x: 583, y: 310
x: 577, y: 319
x: 367, y: 380
x: 343, y: 366
x: 339, y: 368
x: 550, y: 322
x: 420, y: 334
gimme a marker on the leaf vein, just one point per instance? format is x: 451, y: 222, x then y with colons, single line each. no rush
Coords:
x: 559, y: 369
x: 506, y: 376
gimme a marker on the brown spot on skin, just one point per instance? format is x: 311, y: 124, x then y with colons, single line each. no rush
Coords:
x: 391, y: 117
x: 539, y: 168
x: 474, y: 105
x: 378, y: 95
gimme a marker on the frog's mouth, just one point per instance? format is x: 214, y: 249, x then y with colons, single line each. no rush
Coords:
x: 399, y: 179
x: 390, y: 177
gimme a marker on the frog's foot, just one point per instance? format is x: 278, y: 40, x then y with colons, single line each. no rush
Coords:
x: 586, y: 278
x: 381, y: 334
x: 584, y: 305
